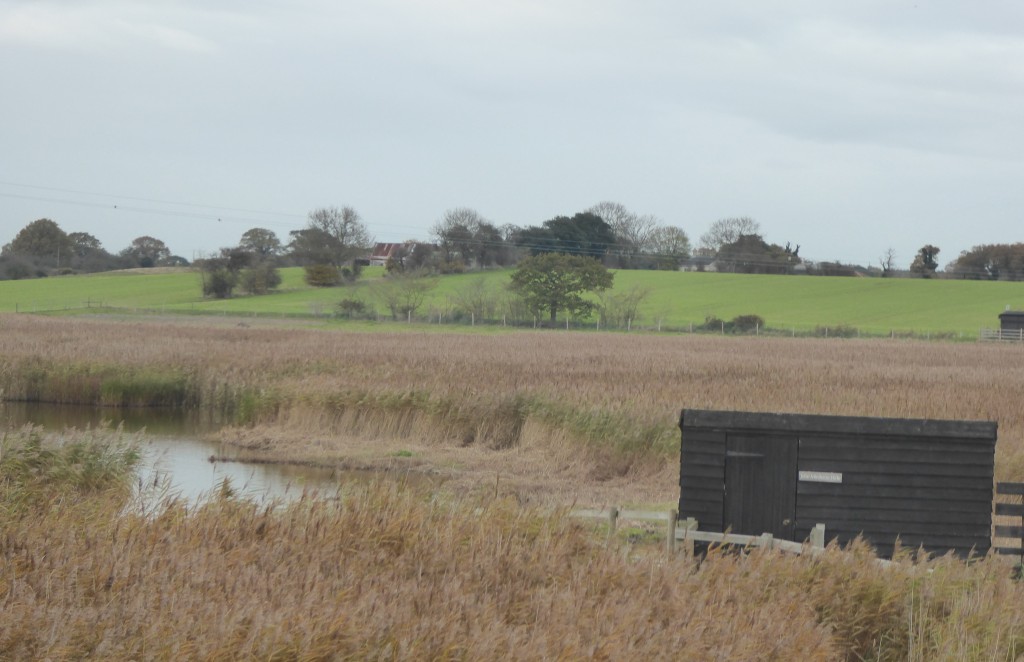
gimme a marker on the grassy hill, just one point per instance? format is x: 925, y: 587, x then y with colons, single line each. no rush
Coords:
x: 673, y: 300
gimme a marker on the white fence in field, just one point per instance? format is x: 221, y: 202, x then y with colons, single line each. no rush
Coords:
x: 687, y: 532
x: 1001, y: 335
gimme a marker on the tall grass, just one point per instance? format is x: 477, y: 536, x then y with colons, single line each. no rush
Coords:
x: 617, y: 395
x: 392, y: 571
x: 38, y: 472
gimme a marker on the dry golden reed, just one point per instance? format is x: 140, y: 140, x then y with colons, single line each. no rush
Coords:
x: 617, y: 391
x: 391, y: 571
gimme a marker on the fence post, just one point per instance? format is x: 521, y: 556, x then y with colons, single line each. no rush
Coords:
x: 689, y: 526
x: 613, y: 516
x: 818, y: 536
x: 670, y: 538
x: 767, y: 540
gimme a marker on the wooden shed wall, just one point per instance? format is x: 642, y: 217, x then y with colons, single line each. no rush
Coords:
x: 929, y: 483
x: 1011, y: 320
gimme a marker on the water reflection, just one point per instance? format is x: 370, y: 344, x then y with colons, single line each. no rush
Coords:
x: 176, y: 461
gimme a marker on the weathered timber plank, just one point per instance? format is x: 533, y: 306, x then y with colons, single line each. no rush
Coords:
x: 898, y: 469
x: 651, y: 515
x: 886, y: 491
x: 909, y: 480
x: 702, y: 483
x: 1010, y: 509
x: 702, y: 471
x: 815, y: 443
x: 845, y: 425
x: 937, y: 505
x: 1006, y: 531
x: 1010, y: 488
x: 704, y: 460
x: 895, y: 455
x: 893, y: 515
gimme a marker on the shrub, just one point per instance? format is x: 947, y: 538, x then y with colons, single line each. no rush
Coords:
x: 838, y: 331
x: 351, y: 308
x: 219, y: 282
x: 322, y: 275
x: 451, y: 267
x: 746, y: 323
x: 712, y: 323
x: 261, y: 278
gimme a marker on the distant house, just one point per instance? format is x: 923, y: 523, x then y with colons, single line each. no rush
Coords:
x: 382, y: 253
x: 699, y: 263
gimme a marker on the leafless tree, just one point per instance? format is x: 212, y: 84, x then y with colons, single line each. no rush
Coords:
x: 632, y: 230
x: 671, y: 245
x: 344, y: 225
x: 332, y: 236
x: 728, y: 230
x: 463, y: 234
x: 887, y: 261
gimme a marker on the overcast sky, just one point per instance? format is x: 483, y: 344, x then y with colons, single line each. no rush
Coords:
x: 846, y: 127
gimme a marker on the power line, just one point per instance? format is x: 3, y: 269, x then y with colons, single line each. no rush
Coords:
x: 151, y: 200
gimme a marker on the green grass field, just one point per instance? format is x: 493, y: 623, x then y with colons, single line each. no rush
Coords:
x: 674, y: 299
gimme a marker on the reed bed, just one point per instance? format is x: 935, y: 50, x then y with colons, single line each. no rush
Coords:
x: 617, y: 394
x: 392, y: 571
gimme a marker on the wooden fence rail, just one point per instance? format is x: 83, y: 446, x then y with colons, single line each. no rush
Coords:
x: 1000, y: 334
x: 1010, y: 508
x: 688, y: 532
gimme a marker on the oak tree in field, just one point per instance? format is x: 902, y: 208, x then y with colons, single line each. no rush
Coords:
x: 925, y: 262
x: 40, y: 239
x: 550, y: 283
x: 585, y: 233
x: 261, y: 242
x: 147, y: 252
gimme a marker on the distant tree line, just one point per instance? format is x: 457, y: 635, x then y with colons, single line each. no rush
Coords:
x: 335, y: 244
x: 42, y: 249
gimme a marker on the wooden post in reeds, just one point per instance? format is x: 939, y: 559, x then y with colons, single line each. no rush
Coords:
x: 613, y: 517
x: 670, y: 537
x: 818, y: 536
x: 689, y: 526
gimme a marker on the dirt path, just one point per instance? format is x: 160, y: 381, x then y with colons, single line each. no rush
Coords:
x: 536, y: 475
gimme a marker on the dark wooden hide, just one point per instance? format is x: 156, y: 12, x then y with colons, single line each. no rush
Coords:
x: 925, y: 482
x: 1011, y: 320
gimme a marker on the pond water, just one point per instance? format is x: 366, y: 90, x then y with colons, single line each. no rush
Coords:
x: 175, y: 458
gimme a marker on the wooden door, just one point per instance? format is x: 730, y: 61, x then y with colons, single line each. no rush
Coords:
x: 760, y: 484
